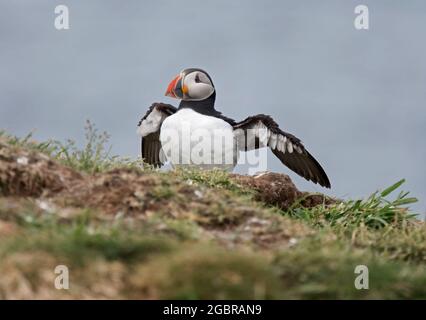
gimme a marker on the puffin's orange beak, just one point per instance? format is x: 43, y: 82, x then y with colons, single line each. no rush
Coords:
x: 174, y: 90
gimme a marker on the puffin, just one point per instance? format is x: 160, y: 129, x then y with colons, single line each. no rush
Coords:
x: 195, y: 134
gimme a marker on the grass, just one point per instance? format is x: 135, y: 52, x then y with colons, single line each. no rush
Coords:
x: 375, y: 212
x: 213, y: 179
x: 94, y: 157
x: 325, y: 270
x: 188, y: 234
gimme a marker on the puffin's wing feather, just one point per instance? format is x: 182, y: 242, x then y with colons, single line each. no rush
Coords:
x: 261, y: 131
x: 149, y: 128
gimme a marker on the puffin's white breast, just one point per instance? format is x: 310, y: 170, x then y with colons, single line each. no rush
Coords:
x: 191, y: 138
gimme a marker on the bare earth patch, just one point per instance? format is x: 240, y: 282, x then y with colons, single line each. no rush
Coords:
x: 146, y: 195
x: 31, y: 174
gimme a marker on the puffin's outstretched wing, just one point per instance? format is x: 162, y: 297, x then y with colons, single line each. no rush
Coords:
x: 285, y: 146
x: 149, y: 128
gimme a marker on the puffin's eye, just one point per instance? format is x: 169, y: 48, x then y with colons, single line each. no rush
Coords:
x: 197, y: 78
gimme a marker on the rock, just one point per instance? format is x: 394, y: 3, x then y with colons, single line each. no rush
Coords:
x: 277, y: 189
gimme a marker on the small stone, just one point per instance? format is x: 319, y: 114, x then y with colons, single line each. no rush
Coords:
x: 119, y: 215
x: 293, y: 242
x: 257, y: 221
x: 45, y: 206
x: 22, y: 160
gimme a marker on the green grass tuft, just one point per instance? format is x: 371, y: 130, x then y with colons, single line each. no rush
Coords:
x: 375, y: 212
x: 215, y: 178
x: 94, y: 157
x: 80, y: 240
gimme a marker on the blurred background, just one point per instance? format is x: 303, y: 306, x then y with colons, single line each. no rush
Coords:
x: 355, y: 98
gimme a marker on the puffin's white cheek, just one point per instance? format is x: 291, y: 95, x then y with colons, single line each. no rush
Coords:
x: 200, y: 91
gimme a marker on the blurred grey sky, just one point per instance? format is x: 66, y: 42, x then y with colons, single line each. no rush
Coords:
x: 356, y: 98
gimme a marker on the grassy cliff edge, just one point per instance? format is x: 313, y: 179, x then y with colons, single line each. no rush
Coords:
x: 125, y: 230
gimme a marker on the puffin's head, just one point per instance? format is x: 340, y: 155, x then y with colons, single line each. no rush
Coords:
x: 191, y: 84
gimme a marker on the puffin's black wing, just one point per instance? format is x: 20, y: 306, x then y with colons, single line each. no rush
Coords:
x: 261, y: 131
x: 149, y: 128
